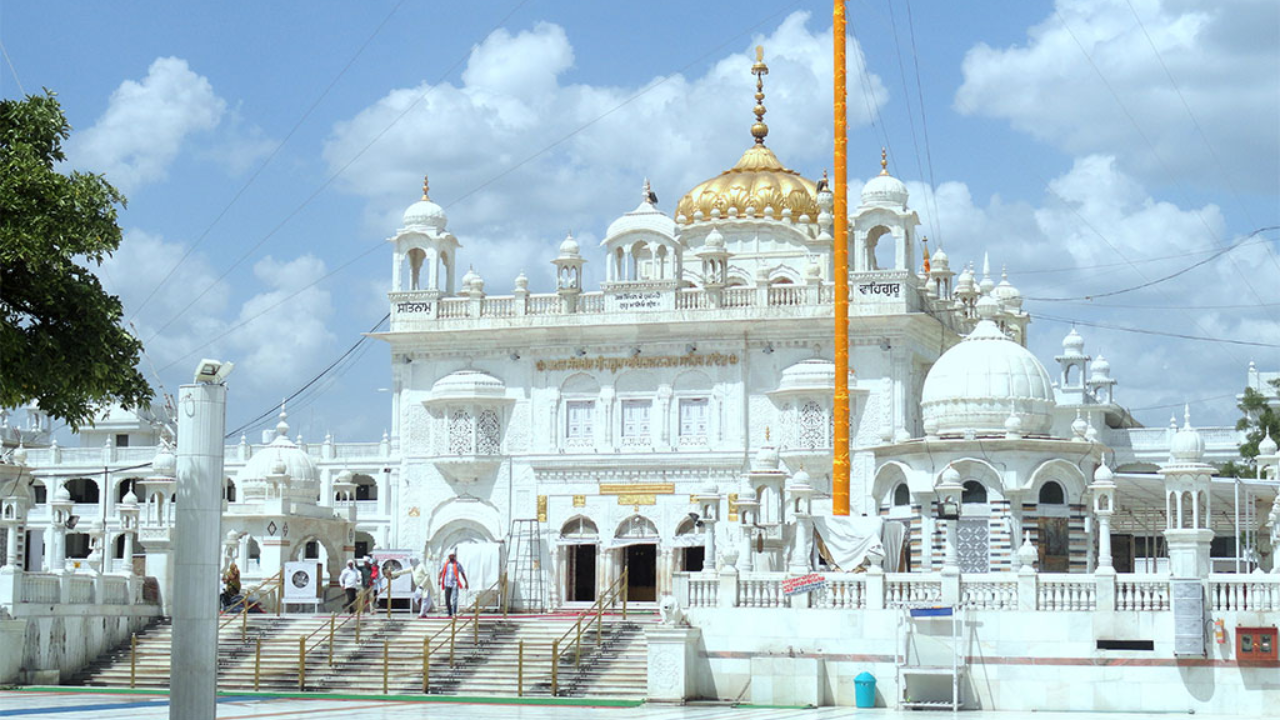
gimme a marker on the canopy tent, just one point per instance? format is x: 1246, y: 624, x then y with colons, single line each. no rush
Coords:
x: 845, y: 543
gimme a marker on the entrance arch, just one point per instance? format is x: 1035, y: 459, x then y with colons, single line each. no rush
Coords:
x: 636, y: 541
x: 579, y: 545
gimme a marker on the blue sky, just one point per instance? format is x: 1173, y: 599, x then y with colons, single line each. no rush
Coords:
x: 1090, y: 146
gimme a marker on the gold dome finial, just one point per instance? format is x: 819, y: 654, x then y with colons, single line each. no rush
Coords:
x: 884, y: 162
x: 759, y: 130
x: 425, y: 188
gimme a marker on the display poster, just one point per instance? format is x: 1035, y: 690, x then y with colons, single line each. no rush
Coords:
x: 391, y: 562
x: 302, y: 581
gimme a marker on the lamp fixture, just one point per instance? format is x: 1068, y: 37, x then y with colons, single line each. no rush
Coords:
x: 768, y: 349
x: 690, y: 349
x: 580, y: 352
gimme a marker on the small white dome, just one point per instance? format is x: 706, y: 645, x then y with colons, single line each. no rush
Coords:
x: 62, y: 494
x: 522, y: 281
x: 885, y: 190
x: 949, y: 476
x: 979, y: 383
x: 425, y: 213
x: 468, y: 385
x: 812, y: 375
x: 20, y: 454
x: 940, y: 261
x: 129, y: 498
x: 1103, y: 475
x: 747, y: 495
x: 1187, y: 445
x: 1073, y: 344
x: 800, y: 479
x: 646, y: 218
x: 1267, y: 446
x: 164, y: 464
x: 766, y: 459
x: 1100, y: 369
x: 714, y: 239
x: 569, y: 247
x: 1008, y: 295
x: 281, y: 457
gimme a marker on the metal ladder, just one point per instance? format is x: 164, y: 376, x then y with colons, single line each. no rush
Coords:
x: 524, y: 565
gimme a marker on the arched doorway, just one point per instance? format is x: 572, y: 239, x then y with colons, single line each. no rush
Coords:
x: 579, y: 546
x: 691, y: 551
x: 637, y: 543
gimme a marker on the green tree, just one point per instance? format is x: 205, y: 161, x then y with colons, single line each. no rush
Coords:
x: 1259, y: 420
x: 61, y: 341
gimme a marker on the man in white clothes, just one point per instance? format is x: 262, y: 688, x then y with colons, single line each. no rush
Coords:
x: 349, y: 580
x: 421, y: 591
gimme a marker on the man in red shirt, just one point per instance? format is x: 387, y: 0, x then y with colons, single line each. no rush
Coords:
x: 452, y: 578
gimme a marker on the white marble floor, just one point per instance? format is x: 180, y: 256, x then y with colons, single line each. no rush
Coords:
x: 86, y: 706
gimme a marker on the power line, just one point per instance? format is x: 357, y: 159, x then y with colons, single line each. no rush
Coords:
x: 310, y: 382
x: 1162, y: 333
x: 12, y: 69
x: 1170, y: 276
x: 329, y: 180
x: 378, y: 244
x: 261, y: 167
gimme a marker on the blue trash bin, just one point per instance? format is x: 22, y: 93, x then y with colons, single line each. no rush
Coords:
x: 865, y: 690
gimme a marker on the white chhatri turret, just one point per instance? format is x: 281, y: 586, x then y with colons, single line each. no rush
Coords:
x: 1188, y: 503
x: 883, y: 216
x: 425, y: 251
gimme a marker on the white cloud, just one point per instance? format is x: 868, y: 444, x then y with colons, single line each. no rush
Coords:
x: 511, y: 103
x: 1222, y: 57
x: 145, y: 124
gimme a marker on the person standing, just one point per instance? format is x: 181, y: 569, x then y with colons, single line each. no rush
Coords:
x: 349, y: 581
x: 452, y: 578
x: 366, y: 576
x: 421, y: 591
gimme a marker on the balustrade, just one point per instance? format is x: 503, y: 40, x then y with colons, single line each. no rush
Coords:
x: 842, y: 591
x: 761, y: 590
x: 1142, y: 593
x: 40, y: 589
x: 498, y: 307
x: 455, y: 308
x: 906, y: 589
x: 1066, y: 592
x: 786, y: 295
x: 704, y: 590
x: 739, y: 297
x: 543, y: 305
x: 990, y: 592
x: 1251, y: 593
x: 79, y: 590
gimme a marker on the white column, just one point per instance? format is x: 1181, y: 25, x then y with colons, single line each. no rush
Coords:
x: 197, y: 551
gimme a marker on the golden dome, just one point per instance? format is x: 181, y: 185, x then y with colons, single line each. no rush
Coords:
x: 757, y: 183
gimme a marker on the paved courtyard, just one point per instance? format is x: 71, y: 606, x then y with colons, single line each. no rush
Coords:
x: 104, y: 706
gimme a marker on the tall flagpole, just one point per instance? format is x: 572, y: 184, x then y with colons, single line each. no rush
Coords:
x: 840, y: 469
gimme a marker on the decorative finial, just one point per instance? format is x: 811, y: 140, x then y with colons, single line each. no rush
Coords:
x: 766, y: 433
x: 925, y: 240
x: 649, y: 195
x: 282, y: 427
x: 884, y: 161
x: 1186, y: 415
x: 425, y: 188
x: 759, y: 130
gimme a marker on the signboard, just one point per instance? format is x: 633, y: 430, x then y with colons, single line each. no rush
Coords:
x: 302, y: 581
x: 802, y: 584
x: 1188, y: 617
x: 393, y: 561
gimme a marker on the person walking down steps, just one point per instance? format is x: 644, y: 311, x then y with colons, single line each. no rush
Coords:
x: 452, y: 578
x: 350, y: 582
x: 421, y: 591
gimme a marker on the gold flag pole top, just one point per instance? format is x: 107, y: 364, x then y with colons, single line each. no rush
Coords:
x: 840, y: 463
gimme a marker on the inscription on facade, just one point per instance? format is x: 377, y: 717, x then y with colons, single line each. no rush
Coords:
x: 413, y: 307
x: 579, y: 500
x: 637, y: 500
x: 891, y: 289
x: 542, y: 508
x: 614, y: 364
x: 637, y: 488
x: 638, y: 300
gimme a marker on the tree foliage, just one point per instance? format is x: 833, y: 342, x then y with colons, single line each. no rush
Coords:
x: 1259, y: 420
x: 61, y: 340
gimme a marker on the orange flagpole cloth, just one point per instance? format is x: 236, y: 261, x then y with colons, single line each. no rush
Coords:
x: 840, y: 464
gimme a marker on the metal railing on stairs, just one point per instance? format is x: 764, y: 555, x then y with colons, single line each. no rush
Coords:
x: 615, y: 594
x: 272, y: 586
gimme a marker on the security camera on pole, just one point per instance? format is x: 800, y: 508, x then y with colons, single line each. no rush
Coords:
x: 202, y: 411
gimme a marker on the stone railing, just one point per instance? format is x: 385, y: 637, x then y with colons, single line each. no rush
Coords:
x: 80, y: 589
x: 1065, y: 591
x: 1046, y: 592
x: 989, y: 592
x: 1253, y: 593
x: 843, y: 591
x: 1142, y: 592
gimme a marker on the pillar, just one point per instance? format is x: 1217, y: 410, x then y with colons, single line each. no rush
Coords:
x: 197, y: 551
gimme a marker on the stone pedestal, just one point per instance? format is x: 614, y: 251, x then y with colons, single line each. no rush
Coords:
x: 10, y: 586
x: 728, y: 595
x: 950, y: 585
x: 1027, y: 588
x: 1189, y: 552
x: 1105, y: 581
x: 875, y: 588
x: 673, y: 653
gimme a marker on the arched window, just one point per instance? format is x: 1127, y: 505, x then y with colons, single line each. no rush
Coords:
x: 901, y: 495
x: 366, y: 487
x: 83, y: 490
x: 1051, y: 494
x: 974, y: 492
x: 229, y: 490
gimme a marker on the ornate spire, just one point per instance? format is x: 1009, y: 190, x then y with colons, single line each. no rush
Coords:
x: 425, y: 188
x: 282, y: 427
x: 884, y: 161
x: 759, y: 130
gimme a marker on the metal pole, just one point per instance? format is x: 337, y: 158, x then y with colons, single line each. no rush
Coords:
x: 1237, y: 535
x: 555, y: 667
x: 426, y: 665
x: 453, y: 632
x: 257, y: 663
x: 475, y: 636
x: 599, y: 623
x: 577, y: 644
x: 331, y: 618
x: 624, y: 593
x: 520, y: 670
x: 133, y: 659
x: 244, y: 624
x: 386, y: 659
x: 302, y: 664
x: 840, y: 465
